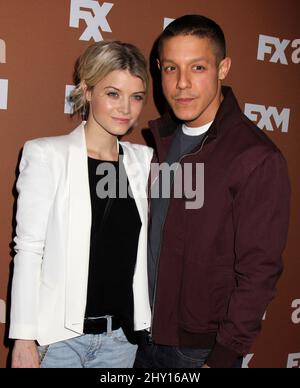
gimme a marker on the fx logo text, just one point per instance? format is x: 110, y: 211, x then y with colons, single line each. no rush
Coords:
x: 94, y: 16
x: 3, y: 93
x: 296, y: 312
x: 276, y: 48
x: 2, y: 51
x: 293, y: 360
x: 263, y: 116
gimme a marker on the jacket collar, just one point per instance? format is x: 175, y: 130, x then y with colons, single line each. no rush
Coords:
x: 79, y: 224
x: 164, y: 128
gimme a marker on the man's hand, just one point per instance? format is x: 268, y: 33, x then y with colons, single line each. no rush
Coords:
x: 204, y: 366
x: 25, y: 354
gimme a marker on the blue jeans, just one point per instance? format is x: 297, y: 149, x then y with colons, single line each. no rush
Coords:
x: 161, y: 356
x: 107, y: 350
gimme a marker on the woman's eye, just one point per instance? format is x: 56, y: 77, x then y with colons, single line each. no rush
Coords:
x: 113, y: 94
x: 138, y: 97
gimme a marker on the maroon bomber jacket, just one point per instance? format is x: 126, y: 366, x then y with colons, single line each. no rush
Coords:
x: 219, y: 264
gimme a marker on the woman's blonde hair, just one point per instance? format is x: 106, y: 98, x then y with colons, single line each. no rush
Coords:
x: 98, y: 61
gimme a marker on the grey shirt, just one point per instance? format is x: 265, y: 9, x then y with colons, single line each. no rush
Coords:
x: 181, y: 145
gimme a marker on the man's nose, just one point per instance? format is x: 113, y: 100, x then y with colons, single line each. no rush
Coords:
x: 183, y: 81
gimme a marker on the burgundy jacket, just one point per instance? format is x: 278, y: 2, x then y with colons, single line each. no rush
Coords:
x: 219, y: 264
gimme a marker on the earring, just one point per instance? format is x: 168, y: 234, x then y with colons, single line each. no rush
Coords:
x: 83, y: 113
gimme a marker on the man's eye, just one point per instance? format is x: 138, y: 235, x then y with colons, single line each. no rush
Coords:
x: 198, y: 67
x: 169, y: 69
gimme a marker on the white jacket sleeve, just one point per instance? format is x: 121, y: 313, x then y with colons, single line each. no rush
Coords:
x: 36, y: 192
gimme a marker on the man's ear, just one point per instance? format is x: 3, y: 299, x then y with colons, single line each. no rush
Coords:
x: 224, y: 68
x: 158, y: 64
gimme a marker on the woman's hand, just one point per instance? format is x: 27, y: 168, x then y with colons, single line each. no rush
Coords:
x: 25, y: 354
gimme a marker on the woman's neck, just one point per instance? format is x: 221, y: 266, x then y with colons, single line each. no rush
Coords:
x: 101, y: 144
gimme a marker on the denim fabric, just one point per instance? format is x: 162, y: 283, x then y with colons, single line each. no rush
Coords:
x: 160, y: 356
x: 107, y: 350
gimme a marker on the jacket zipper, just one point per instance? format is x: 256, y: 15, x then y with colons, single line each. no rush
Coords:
x: 162, y: 232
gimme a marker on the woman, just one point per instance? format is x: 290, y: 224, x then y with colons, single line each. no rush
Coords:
x: 80, y: 272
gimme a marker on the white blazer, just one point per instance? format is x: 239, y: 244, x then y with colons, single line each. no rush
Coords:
x: 50, y: 278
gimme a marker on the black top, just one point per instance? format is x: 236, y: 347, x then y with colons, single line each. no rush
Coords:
x: 113, y: 246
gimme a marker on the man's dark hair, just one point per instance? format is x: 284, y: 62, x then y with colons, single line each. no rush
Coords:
x: 196, y: 25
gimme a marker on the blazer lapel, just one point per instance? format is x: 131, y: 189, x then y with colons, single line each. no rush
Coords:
x: 137, y: 169
x: 78, y: 244
x: 136, y: 178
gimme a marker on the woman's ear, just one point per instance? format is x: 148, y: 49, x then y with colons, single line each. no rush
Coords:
x: 224, y: 68
x: 86, y: 90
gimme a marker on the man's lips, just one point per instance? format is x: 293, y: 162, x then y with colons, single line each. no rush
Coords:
x: 184, y: 101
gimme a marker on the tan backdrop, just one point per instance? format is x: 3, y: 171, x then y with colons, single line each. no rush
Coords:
x: 39, y: 43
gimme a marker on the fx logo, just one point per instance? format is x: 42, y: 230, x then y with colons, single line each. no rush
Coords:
x: 167, y: 21
x: 277, y: 48
x: 2, y: 311
x: 3, y: 82
x: 296, y: 312
x: 252, y: 111
x: 3, y: 93
x: 2, y: 51
x: 95, y: 18
x: 246, y: 360
x: 68, y: 104
x: 293, y: 360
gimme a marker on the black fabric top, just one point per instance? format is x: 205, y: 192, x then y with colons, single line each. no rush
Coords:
x: 115, y: 232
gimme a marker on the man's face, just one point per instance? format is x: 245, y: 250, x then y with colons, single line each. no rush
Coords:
x: 191, y: 78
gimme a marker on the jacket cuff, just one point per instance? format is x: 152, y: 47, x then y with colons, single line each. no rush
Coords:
x: 222, y: 357
x: 23, y: 332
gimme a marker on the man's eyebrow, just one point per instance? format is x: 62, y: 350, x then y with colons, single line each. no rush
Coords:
x: 190, y: 61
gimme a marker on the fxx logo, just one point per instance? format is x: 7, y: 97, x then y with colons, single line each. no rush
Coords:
x: 293, y: 360
x: 3, y: 82
x: 268, y: 118
x: 296, y: 313
x: 246, y: 360
x: 2, y: 51
x: 68, y: 104
x: 167, y: 21
x: 2, y: 311
x: 276, y: 49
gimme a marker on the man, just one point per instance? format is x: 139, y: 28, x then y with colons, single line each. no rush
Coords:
x: 212, y: 269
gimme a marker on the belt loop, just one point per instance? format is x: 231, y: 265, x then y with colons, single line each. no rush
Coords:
x: 109, y: 324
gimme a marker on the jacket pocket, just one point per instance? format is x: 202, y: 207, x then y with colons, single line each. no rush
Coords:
x: 195, y: 297
x: 206, y: 290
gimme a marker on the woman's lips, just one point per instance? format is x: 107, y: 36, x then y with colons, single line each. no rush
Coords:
x: 121, y: 120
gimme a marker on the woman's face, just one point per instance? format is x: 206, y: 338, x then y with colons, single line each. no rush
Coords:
x: 116, y: 102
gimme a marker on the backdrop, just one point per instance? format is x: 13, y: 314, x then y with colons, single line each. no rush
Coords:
x: 39, y: 43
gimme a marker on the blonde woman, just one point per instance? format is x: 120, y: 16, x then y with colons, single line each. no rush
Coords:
x: 80, y: 273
